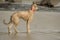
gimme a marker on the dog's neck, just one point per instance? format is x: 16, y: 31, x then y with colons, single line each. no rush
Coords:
x: 32, y: 10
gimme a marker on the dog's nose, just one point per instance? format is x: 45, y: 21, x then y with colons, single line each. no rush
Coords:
x: 37, y: 9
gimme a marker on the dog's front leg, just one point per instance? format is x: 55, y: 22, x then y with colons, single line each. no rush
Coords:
x: 28, y: 26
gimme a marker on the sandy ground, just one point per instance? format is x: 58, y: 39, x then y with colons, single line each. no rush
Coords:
x: 45, y: 26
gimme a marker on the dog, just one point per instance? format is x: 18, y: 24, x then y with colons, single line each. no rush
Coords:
x: 25, y: 15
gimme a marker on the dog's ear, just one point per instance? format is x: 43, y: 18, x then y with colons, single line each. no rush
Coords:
x: 34, y: 2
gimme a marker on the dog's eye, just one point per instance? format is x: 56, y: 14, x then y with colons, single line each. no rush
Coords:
x: 35, y: 5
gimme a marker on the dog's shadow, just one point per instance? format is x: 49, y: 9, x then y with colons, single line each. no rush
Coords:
x: 15, y: 36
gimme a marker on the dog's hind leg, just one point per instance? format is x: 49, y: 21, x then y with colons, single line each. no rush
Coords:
x: 16, y: 22
x: 9, y: 27
x: 15, y: 29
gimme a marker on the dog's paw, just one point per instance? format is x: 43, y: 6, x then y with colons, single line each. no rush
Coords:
x: 17, y: 31
x: 9, y: 32
x: 28, y: 31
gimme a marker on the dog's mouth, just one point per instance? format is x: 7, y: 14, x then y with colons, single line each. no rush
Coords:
x: 37, y: 9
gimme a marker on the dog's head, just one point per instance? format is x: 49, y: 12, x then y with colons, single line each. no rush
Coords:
x: 34, y: 6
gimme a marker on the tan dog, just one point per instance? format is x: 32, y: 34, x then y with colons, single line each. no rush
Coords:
x: 25, y: 15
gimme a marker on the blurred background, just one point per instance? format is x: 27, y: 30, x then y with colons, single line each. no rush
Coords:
x: 16, y: 4
x: 45, y: 24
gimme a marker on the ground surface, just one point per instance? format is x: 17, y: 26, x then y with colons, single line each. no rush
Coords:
x: 45, y: 25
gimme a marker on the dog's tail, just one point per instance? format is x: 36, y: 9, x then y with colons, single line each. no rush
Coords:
x: 6, y: 23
